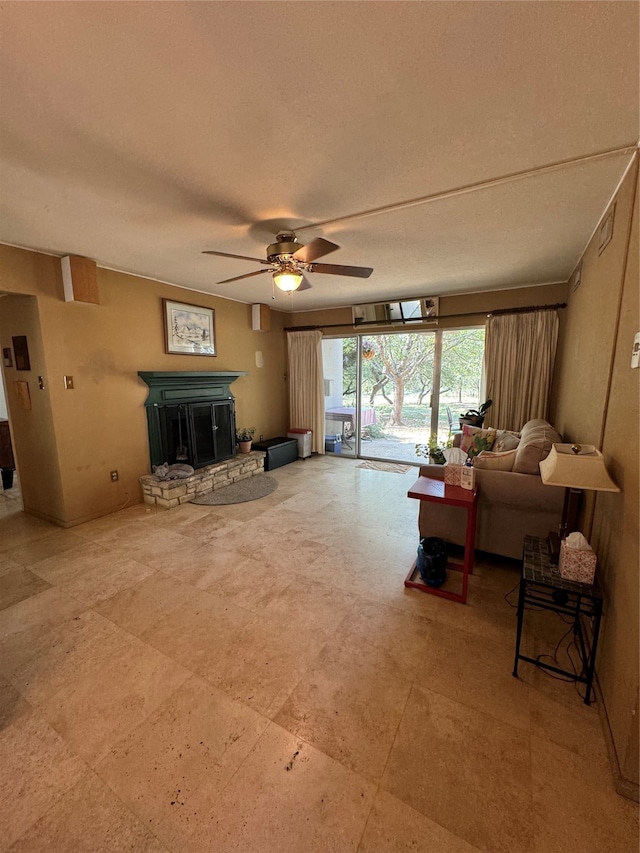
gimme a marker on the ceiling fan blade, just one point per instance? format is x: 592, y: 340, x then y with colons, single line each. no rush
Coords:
x: 315, y: 249
x: 306, y: 285
x: 239, y: 257
x: 337, y: 269
x: 247, y: 275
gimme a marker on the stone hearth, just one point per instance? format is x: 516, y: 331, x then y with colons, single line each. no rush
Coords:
x: 171, y: 493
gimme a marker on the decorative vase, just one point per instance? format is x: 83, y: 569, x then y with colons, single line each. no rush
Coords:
x: 245, y: 446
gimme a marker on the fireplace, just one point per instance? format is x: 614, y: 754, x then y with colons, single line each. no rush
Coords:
x: 191, y: 417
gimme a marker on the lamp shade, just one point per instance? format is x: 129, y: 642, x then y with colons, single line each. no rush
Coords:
x: 287, y: 279
x: 578, y: 467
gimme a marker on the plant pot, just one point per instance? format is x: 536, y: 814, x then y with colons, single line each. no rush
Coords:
x: 245, y: 446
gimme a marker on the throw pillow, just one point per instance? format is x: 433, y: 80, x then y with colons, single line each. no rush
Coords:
x: 506, y: 439
x: 495, y: 461
x: 535, y: 445
x: 474, y: 440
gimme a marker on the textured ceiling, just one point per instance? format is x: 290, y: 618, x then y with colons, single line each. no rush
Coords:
x: 140, y: 134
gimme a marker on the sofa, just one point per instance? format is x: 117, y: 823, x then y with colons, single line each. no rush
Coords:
x: 512, y: 499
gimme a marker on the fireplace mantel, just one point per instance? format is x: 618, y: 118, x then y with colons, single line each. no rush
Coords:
x: 167, y: 387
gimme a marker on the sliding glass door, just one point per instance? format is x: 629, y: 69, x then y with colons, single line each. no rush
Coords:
x: 387, y: 393
x: 341, y: 382
x: 396, y: 393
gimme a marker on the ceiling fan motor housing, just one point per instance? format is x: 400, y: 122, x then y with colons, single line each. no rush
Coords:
x: 286, y: 244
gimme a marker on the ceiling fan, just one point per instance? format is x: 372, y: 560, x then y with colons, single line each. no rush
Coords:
x: 289, y: 260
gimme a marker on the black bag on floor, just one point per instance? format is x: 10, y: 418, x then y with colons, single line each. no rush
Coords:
x: 432, y: 560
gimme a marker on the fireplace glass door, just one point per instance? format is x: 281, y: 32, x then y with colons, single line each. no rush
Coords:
x: 213, y: 432
x: 197, y: 434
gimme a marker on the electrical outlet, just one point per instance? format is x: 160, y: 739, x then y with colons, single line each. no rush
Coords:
x: 114, y: 476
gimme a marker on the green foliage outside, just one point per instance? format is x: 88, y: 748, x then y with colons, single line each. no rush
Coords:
x: 401, y: 372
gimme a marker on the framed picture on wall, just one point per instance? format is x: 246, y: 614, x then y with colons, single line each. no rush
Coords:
x: 21, y: 352
x: 189, y: 329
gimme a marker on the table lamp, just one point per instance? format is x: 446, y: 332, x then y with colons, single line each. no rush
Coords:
x: 578, y: 467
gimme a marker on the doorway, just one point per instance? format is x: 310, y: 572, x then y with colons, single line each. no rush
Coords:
x: 10, y: 496
x: 388, y: 396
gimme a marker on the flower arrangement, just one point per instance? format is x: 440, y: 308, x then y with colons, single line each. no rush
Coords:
x: 368, y: 349
x: 245, y: 434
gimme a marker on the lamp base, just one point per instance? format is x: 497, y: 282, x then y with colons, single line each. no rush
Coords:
x: 553, y: 547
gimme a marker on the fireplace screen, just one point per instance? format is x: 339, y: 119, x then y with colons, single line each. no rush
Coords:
x: 196, y: 433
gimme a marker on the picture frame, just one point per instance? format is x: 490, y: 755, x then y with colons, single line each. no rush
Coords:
x: 21, y: 352
x: 188, y: 329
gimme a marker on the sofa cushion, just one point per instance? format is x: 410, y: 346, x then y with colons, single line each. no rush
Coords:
x: 474, y: 439
x: 536, y: 439
x: 506, y: 439
x: 495, y: 461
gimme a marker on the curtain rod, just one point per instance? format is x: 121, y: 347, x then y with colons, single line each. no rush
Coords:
x: 525, y: 310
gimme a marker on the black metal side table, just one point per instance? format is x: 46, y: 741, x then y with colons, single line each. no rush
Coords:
x: 542, y: 586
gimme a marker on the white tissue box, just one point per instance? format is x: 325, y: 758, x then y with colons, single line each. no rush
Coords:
x: 577, y: 564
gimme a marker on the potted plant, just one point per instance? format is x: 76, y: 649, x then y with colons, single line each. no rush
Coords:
x: 244, y: 437
x: 368, y: 349
x: 433, y: 450
x: 475, y: 417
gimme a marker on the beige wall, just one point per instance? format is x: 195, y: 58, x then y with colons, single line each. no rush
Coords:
x: 101, y: 425
x: 597, y: 403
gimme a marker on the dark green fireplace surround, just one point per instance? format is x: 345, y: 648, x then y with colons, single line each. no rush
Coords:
x: 195, y: 410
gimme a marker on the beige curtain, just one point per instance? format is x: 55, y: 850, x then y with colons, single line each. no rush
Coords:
x: 306, y: 385
x: 520, y: 351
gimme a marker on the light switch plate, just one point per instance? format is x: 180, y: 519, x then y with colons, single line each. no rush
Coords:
x: 635, y: 352
x: 68, y: 383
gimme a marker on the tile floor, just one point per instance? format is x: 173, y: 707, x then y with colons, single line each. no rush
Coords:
x: 256, y: 678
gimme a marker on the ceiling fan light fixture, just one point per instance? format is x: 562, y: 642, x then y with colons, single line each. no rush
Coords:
x: 287, y: 279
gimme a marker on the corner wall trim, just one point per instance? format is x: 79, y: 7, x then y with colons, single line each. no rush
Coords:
x: 625, y: 787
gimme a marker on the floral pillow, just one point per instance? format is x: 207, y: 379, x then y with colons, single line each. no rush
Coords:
x: 474, y: 440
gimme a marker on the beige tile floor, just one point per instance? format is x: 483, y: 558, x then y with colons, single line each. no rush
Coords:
x: 256, y: 678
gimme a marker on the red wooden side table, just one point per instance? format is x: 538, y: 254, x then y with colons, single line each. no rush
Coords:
x: 436, y: 491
